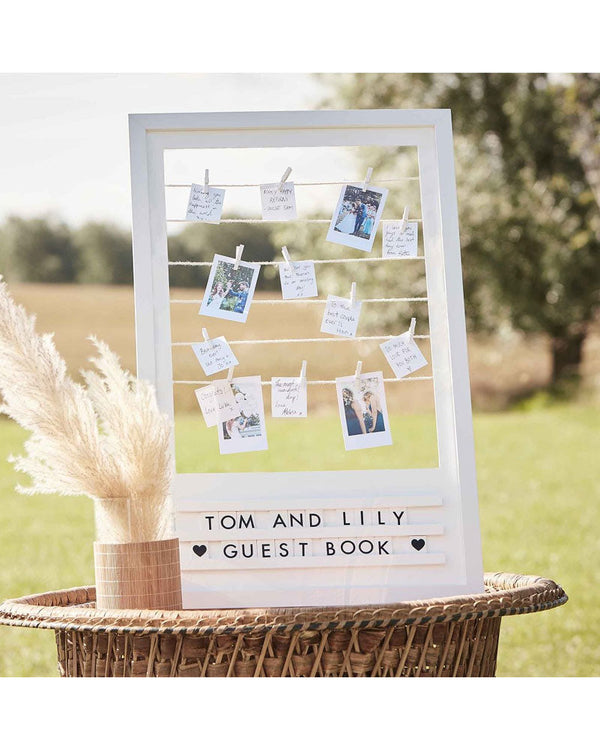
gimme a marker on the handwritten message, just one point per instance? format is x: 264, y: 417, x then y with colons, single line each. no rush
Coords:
x: 397, y: 244
x: 208, y: 404
x: 340, y: 317
x: 403, y: 355
x: 278, y: 205
x: 214, y: 355
x: 298, y: 279
x: 288, y: 397
x: 217, y: 402
x: 205, y: 206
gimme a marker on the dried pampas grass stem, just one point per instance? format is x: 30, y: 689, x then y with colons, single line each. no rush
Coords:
x: 107, y: 440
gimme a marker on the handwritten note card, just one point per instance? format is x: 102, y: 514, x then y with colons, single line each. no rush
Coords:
x: 227, y: 404
x: 298, y: 279
x: 208, y: 404
x: 340, y: 317
x: 217, y: 402
x: 205, y: 206
x: 403, y: 355
x: 214, y: 355
x: 278, y: 205
x: 288, y: 397
x: 397, y: 244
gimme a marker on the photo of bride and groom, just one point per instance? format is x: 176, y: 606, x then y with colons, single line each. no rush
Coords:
x: 363, y: 411
x: 356, y: 217
x: 229, y: 291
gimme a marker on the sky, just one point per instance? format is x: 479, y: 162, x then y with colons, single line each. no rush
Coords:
x: 64, y: 142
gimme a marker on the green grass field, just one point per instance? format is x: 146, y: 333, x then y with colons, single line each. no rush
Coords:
x: 539, y: 511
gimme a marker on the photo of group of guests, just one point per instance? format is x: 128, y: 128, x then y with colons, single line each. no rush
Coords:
x: 229, y: 290
x: 356, y: 217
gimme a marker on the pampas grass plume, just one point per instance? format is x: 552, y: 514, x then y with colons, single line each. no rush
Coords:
x: 107, y: 440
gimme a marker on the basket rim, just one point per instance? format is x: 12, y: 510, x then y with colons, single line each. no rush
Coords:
x: 72, y: 609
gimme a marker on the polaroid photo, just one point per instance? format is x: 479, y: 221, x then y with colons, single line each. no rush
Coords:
x: 205, y: 205
x: 229, y: 292
x: 363, y: 411
x: 357, y: 216
x: 246, y: 432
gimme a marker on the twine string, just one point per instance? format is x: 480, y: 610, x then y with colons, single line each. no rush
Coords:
x: 309, y: 382
x: 296, y: 184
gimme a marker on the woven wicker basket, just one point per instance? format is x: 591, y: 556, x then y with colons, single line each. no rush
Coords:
x: 451, y: 637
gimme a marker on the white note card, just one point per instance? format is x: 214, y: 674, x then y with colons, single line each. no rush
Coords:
x: 403, y: 355
x: 340, y: 317
x: 278, y: 205
x: 227, y: 403
x: 288, y: 397
x: 208, y: 404
x: 217, y: 402
x: 397, y: 244
x: 205, y: 206
x: 298, y: 280
x: 214, y: 355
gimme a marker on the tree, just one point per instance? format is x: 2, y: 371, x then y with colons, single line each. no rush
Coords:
x: 531, y: 232
x: 200, y: 242
x: 104, y: 254
x: 39, y: 250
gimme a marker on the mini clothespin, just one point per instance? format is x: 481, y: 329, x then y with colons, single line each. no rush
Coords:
x: 284, y: 177
x: 358, y: 370
x: 205, y: 188
x: 353, y: 294
x: 238, y: 256
x: 367, y: 179
x: 205, y: 334
x: 404, y: 221
x: 302, y: 376
x: 411, y: 330
x: 230, y: 374
x: 286, y: 257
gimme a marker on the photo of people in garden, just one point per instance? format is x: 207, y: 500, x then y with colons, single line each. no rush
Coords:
x: 229, y: 290
x: 358, y: 212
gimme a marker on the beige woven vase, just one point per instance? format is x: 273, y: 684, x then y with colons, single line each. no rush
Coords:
x: 138, y: 575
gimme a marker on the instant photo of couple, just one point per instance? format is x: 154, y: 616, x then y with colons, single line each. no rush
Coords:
x: 356, y: 217
x: 363, y: 411
x: 229, y: 290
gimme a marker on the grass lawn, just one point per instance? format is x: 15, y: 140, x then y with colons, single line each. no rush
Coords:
x: 539, y: 511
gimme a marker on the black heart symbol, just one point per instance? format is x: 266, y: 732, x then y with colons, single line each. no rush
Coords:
x: 418, y: 544
x: 201, y: 549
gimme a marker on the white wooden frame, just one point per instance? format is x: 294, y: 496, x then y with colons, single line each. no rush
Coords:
x: 448, y: 491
